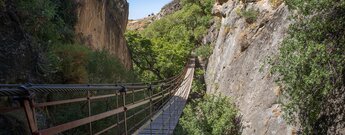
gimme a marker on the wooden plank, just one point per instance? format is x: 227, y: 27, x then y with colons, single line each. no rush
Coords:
x: 76, y: 123
x: 30, y: 116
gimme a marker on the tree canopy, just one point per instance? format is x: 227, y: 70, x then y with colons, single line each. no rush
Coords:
x: 160, y: 51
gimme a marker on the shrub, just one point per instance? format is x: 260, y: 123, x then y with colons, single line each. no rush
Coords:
x: 105, y: 68
x: 198, y: 89
x: 204, y: 51
x: 250, y: 15
x: 199, y: 72
x: 211, y: 115
x: 311, y: 65
x: 79, y: 64
x: 48, y: 21
x: 71, y: 62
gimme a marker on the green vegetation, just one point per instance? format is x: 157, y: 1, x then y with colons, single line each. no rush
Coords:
x: 199, y: 72
x: 211, y: 115
x: 207, y: 114
x: 311, y: 63
x: 79, y: 64
x: 204, y: 51
x: 166, y: 43
x: 198, y: 89
x: 250, y: 15
x: 49, y: 21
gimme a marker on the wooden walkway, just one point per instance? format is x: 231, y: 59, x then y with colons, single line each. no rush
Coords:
x: 165, y: 121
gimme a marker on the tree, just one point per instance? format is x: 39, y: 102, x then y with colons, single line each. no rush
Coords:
x: 143, y: 55
x: 311, y: 64
x: 163, y: 47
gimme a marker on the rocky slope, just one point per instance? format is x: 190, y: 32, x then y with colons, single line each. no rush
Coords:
x: 101, y: 25
x: 141, y: 24
x: 237, y: 68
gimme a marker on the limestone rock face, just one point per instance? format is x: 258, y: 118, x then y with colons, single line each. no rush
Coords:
x: 237, y: 66
x: 168, y: 9
x: 101, y: 25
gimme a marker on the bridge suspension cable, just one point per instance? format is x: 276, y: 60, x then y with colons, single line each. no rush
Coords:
x: 131, y: 108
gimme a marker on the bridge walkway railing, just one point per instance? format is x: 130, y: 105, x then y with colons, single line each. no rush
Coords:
x: 48, y: 109
x: 165, y: 121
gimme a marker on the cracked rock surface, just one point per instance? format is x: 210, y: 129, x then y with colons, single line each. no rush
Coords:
x: 237, y: 66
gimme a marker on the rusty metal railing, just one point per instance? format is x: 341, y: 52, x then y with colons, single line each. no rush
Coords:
x: 128, y: 105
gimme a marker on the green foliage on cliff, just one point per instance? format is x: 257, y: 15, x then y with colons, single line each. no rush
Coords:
x: 48, y: 21
x: 156, y: 59
x: 207, y: 114
x: 79, y: 64
x: 204, y: 51
x: 311, y: 64
x: 210, y: 115
x: 250, y: 15
x: 166, y: 43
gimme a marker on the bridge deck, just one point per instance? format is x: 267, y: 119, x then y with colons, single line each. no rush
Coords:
x: 165, y: 121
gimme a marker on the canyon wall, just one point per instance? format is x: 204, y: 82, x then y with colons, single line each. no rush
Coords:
x: 237, y: 67
x: 101, y: 24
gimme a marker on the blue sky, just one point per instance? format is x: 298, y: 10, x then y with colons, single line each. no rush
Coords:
x: 141, y: 8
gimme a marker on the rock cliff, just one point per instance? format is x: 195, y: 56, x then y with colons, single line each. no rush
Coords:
x: 250, y: 32
x: 101, y: 25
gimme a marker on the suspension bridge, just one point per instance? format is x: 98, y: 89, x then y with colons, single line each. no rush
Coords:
x: 95, y: 109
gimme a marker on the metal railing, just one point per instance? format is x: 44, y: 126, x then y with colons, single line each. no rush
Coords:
x: 166, y: 119
x: 130, y: 104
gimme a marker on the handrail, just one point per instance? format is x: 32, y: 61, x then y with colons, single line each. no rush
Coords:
x: 156, y: 95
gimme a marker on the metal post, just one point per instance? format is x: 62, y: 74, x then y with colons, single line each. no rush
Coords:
x: 145, y: 95
x: 169, y: 116
x: 175, y: 102
x: 117, y: 115
x: 125, y: 111
x: 133, y: 96
x: 29, y: 109
x: 170, y: 92
x: 30, y: 116
x: 150, y: 96
x: 123, y: 93
x: 89, y: 105
x: 163, y: 123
